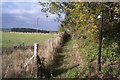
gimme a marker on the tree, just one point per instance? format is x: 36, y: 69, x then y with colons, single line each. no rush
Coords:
x: 83, y: 16
x: 83, y: 26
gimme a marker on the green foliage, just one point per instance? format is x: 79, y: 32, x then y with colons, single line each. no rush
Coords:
x: 81, y: 14
x: 109, y: 72
x: 83, y: 25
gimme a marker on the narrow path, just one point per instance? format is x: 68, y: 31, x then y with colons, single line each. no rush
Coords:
x: 67, y: 62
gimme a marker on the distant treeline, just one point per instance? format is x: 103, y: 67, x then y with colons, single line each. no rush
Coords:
x: 27, y: 30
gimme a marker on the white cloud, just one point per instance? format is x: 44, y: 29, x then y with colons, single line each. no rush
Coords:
x: 22, y: 8
x: 22, y: 11
x: 22, y: 17
x: 19, y: 0
x: 25, y: 14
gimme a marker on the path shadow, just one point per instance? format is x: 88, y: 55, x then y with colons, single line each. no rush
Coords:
x: 59, y: 59
x: 60, y: 71
x: 43, y: 71
x: 59, y: 54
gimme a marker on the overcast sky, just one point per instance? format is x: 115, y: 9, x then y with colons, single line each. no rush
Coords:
x: 25, y: 14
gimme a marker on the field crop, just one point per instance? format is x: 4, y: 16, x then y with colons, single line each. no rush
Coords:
x: 16, y: 39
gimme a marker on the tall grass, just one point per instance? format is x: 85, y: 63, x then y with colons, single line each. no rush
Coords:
x: 13, y: 64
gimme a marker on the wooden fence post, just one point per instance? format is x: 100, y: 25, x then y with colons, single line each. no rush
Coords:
x: 51, y: 45
x: 56, y: 41
x: 35, y: 60
x: 48, y: 47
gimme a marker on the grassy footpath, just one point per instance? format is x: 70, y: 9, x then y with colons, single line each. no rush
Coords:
x: 80, y: 61
x: 67, y: 62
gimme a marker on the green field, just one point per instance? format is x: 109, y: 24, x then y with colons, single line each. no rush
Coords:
x: 12, y: 39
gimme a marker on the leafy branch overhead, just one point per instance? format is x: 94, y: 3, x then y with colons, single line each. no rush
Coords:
x: 83, y: 16
x: 82, y: 23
